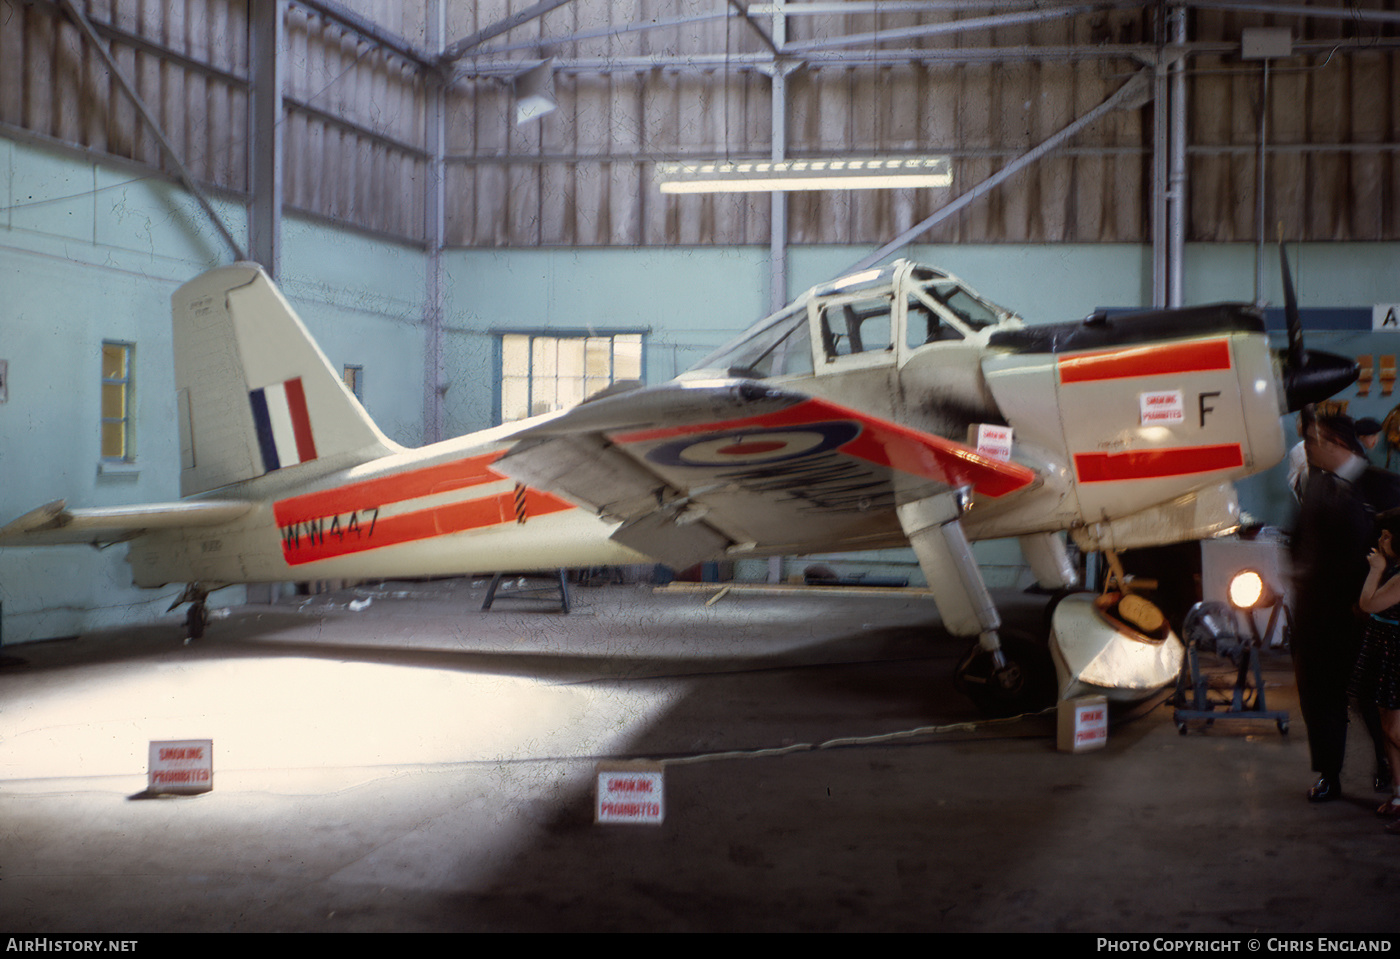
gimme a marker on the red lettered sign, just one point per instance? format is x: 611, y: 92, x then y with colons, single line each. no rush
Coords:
x: 630, y: 793
x: 180, y: 766
x: 1083, y: 724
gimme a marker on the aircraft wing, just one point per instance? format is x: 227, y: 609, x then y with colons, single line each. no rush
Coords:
x: 692, y: 469
x: 54, y: 524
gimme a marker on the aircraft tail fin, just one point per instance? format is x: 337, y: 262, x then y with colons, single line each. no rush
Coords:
x: 255, y: 392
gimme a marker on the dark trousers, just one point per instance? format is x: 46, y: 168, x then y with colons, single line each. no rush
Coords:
x: 1324, y: 650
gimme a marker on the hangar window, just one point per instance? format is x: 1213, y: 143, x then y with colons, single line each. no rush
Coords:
x: 541, y: 373
x: 118, y: 383
x: 354, y: 379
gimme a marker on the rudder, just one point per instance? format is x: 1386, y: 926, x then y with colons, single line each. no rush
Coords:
x: 256, y: 394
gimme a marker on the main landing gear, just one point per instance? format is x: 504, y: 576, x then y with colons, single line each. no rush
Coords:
x: 1005, y: 672
x: 1023, y: 683
x: 197, y: 616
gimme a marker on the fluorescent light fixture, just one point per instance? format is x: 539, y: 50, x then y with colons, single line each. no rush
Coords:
x: 747, y: 176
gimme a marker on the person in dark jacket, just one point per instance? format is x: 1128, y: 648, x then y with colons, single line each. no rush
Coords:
x: 1335, y: 531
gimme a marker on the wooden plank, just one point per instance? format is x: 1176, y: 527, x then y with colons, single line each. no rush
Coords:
x: 39, y: 72
x: 1329, y: 173
x: 1287, y: 197
x: 939, y: 132
x: 197, y: 155
x: 556, y: 136
x: 95, y: 103
x: 662, y: 97
x: 593, y: 191
x: 12, y: 63
x: 521, y: 208
x: 68, y: 70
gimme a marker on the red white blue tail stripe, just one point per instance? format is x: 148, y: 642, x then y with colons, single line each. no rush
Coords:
x: 283, y: 424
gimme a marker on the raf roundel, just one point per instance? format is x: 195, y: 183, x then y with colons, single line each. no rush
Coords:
x: 755, y: 447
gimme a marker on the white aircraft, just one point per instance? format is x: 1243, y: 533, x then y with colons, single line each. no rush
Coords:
x: 891, y: 407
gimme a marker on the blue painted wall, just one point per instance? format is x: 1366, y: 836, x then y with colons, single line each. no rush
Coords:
x: 91, y: 252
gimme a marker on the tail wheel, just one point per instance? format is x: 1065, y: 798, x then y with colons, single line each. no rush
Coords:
x: 1025, y: 685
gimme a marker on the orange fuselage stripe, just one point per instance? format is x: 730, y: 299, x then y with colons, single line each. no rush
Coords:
x: 374, y: 493
x: 347, y: 519
x: 329, y: 537
x: 1156, y: 464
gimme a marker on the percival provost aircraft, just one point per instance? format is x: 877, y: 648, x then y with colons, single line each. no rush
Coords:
x: 846, y: 421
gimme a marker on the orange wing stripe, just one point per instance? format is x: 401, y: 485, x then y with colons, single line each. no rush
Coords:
x: 880, y: 441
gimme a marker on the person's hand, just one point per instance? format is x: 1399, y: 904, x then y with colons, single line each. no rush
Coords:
x: 1376, y: 558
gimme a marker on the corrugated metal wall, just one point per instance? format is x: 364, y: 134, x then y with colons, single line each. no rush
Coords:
x: 1333, y: 128
x: 188, y: 62
x: 355, y: 130
x: 353, y: 140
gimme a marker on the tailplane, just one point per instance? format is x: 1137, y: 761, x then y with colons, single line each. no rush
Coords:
x: 255, y: 392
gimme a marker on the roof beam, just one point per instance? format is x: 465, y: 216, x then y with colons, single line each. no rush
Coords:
x: 767, y: 40
x: 1348, y: 12
x: 465, y: 45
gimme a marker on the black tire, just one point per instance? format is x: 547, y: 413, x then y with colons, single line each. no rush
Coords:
x: 1027, y: 686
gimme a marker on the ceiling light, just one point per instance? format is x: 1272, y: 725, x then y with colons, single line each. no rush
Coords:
x: 746, y: 176
x: 534, y: 93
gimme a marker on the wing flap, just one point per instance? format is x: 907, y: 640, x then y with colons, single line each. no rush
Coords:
x: 54, y: 524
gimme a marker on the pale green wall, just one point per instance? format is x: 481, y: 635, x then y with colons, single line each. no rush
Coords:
x: 89, y: 253
x: 688, y: 299
x: 362, y: 298
x: 695, y: 299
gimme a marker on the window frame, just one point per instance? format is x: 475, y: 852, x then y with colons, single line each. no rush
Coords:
x: 353, y: 376
x: 533, y: 334
x: 127, y: 420
x: 834, y: 362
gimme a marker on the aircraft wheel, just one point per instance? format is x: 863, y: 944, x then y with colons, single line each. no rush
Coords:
x: 1026, y: 685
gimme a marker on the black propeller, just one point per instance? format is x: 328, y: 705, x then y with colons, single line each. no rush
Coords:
x: 1308, y: 375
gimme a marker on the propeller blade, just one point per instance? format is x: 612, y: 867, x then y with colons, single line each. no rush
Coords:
x: 1290, y: 311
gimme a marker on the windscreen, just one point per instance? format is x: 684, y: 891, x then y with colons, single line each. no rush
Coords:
x: 778, y: 346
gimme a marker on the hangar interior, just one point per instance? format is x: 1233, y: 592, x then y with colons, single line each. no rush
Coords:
x: 369, y: 155
x: 453, y: 258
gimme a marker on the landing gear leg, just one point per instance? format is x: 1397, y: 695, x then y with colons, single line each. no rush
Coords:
x: 197, y: 616
x: 1001, y: 675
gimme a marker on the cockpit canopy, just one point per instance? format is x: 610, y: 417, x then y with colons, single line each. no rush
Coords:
x: 865, y: 312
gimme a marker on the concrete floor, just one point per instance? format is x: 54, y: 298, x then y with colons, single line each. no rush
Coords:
x: 420, y: 765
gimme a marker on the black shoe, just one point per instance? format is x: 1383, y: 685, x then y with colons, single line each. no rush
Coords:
x: 1325, y: 789
x: 1383, y: 780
